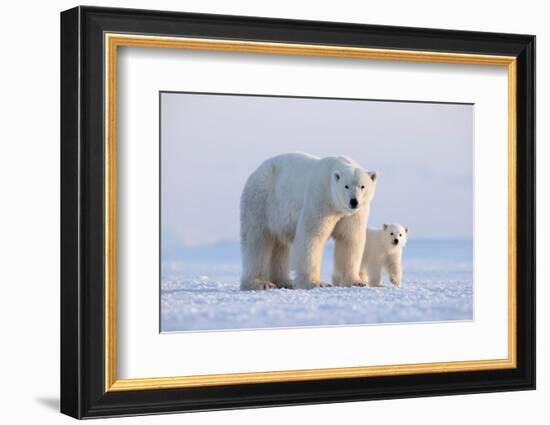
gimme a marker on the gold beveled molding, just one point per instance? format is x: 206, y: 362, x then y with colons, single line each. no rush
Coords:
x: 113, y: 41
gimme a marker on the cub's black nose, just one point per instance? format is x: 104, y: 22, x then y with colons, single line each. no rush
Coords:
x: 395, y: 241
x: 353, y: 203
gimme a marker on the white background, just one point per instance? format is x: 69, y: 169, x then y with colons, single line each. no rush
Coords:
x: 29, y: 170
x: 144, y: 352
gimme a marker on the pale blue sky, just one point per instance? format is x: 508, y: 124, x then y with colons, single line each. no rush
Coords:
x: 423, y: 153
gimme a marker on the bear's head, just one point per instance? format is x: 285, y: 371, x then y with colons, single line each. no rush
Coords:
x: 352, y: 188
x: 395, y: 235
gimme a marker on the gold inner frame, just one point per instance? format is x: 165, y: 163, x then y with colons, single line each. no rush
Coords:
x: 113, y: 41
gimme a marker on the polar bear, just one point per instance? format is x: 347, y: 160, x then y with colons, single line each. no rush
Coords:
x: 290, y: 206
x: 384, y: 250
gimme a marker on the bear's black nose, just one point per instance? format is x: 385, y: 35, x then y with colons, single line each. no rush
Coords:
x: 395, y: 241
x: 353, y: 203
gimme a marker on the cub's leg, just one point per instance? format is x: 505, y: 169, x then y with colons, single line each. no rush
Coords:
x: 375, y: 275
x: 394, y: 270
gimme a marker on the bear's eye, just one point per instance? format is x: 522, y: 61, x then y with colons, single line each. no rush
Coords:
x: 346, y: 186
x: 391, y: 233
x: 400, y: 235
x: 362, y: 187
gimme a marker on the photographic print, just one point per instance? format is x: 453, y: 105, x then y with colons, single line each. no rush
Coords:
x: 257, y: 184
x: 280, y: 212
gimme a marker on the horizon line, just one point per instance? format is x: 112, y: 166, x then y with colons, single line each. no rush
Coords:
x: 416, y: 239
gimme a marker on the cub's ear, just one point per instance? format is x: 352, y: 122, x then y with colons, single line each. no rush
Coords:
x: 336, y: 175
x: 385, y: 227
x: 406, y: 230
x: 372, y: 175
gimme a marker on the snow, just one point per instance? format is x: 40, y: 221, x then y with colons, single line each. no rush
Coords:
x: 201, y: 292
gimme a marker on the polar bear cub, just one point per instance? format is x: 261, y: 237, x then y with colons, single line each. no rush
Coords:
x: 290, y: 206
x: 384, y: 251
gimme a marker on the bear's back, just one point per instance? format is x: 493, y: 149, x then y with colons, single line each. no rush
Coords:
x: 290, y: 173
x: 289, y: 184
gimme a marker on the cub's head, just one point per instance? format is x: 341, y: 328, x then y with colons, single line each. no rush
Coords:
x: 352, y: 188
x: 395, y: 235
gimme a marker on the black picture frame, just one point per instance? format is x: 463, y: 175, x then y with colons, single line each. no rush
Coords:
x: 83, y: 392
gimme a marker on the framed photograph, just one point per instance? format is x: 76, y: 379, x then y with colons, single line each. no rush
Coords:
x: 260, y: 212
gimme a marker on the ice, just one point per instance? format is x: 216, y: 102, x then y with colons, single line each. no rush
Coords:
x: 200, y: 291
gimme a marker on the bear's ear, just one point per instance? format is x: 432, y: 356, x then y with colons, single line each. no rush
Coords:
x: 336, y: 175
x: 372, y: 175
x: 385, y: 227
x: 406, y: 230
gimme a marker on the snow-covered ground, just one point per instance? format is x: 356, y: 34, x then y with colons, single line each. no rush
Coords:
x: 200, y: 291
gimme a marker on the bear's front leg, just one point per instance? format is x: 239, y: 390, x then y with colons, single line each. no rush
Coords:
x: 309, y: 244
x: 349, y: 237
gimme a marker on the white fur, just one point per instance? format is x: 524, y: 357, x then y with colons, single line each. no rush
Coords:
x: 298, y: 201
x: 383, y: 253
